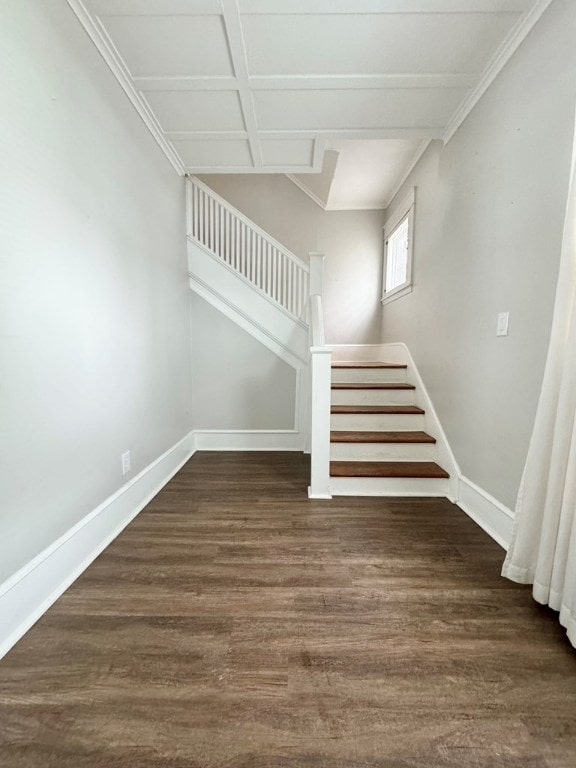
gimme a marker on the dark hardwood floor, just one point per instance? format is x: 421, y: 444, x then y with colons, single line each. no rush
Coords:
x: 235, y: 624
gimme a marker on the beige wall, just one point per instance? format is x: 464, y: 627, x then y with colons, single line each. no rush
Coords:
x: 94, y: 304
x: 488, y: 224
x: 351, y: 240
x: 238, y: 383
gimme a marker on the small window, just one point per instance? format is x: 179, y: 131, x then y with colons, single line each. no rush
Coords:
x: 397, y: 273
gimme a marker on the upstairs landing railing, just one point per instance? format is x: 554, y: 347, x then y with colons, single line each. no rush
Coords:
x: 247, y: 249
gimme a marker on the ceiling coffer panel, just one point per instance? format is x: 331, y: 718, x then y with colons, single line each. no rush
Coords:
x: 297, y: 152
x: 171, y: 45
x: 210, y: 153
x: 264, y: 85
x: 340, y: 110
x: 372, y: 44
x: 197, y: 110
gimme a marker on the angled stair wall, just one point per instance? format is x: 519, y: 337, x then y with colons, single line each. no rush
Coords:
x: 261, y: 287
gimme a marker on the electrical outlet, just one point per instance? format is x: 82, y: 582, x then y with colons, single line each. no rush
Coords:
x: 126, y: 462
x: 502, y: 325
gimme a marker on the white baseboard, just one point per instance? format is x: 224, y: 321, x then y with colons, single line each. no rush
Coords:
x: 249, y: 440
x: 28, y: 594
x: 491, y: 515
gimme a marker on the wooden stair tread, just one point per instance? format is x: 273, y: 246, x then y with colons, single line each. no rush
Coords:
x: 426, y: 469
x: 366, y: 364
x: 402, y: 409
x: 372, y: 385
x: 380, y: 437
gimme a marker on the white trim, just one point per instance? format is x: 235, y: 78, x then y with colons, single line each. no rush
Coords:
x: 259, y: 332
x: 318, y: 150
x: 405, y: 210
x: 120, y: 71
x: 504, y: 53
x: 249, y: 440
x: 306, y: 191
x: 400, y: 211
x: 397, y: 293
x: 246, y: 280
x: 238, y: 57
x: 398, y: 352
x: 28, y: 593
x: 423, y: 146
x: 486, y: 511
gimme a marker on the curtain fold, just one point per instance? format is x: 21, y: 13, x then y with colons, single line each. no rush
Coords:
x: 543, y: 548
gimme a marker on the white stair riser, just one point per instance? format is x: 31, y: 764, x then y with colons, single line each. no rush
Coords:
x: 388, y: 486
x: 372, y: 397
x: 382, y: 451
x: 376, y: 422
x: 373, y: 375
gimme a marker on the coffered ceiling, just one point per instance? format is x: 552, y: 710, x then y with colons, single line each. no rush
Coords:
x: 263, y: 86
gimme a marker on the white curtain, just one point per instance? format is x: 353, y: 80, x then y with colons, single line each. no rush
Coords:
x: 543, y: 549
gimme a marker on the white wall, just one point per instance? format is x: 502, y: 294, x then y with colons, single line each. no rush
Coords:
x: 238, y: 383
x: 488, y: 224
x: 351, y: 240
x: 94, y: 304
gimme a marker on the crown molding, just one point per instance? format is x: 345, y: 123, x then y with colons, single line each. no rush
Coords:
x: 306, y: 191
x: 408, y: 170
x: 122, y: 75
x: 496, y: 65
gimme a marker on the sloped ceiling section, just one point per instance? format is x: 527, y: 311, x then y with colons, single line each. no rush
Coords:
x: 261, y: 86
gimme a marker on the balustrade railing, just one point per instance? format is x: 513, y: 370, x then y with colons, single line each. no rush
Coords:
x: 247, y: 249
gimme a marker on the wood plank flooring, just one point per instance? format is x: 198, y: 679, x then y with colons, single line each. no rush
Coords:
x: 235, y: 624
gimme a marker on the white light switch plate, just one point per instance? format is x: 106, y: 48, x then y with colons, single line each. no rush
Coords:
x: 502, y: 325
x: 126, y: 462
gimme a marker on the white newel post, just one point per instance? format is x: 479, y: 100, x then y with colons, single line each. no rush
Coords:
x: 321, y: 362
x: 321, y: 380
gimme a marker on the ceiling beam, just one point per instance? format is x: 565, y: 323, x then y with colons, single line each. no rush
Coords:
x: 239, y: 60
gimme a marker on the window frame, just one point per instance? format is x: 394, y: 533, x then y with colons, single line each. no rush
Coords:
x: 404, y: 210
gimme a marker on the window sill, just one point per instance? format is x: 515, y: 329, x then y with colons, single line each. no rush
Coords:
x: 397, y: 293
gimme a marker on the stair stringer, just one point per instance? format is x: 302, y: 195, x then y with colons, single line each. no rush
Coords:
x: 242, y: 303
x: 398, y: 352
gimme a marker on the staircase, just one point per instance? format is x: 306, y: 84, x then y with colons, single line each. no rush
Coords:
x: 378, y: 446
x: 363, y: 421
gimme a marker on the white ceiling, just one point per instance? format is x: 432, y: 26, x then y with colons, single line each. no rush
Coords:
x: 363, y: 174
x: 263, y: 86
